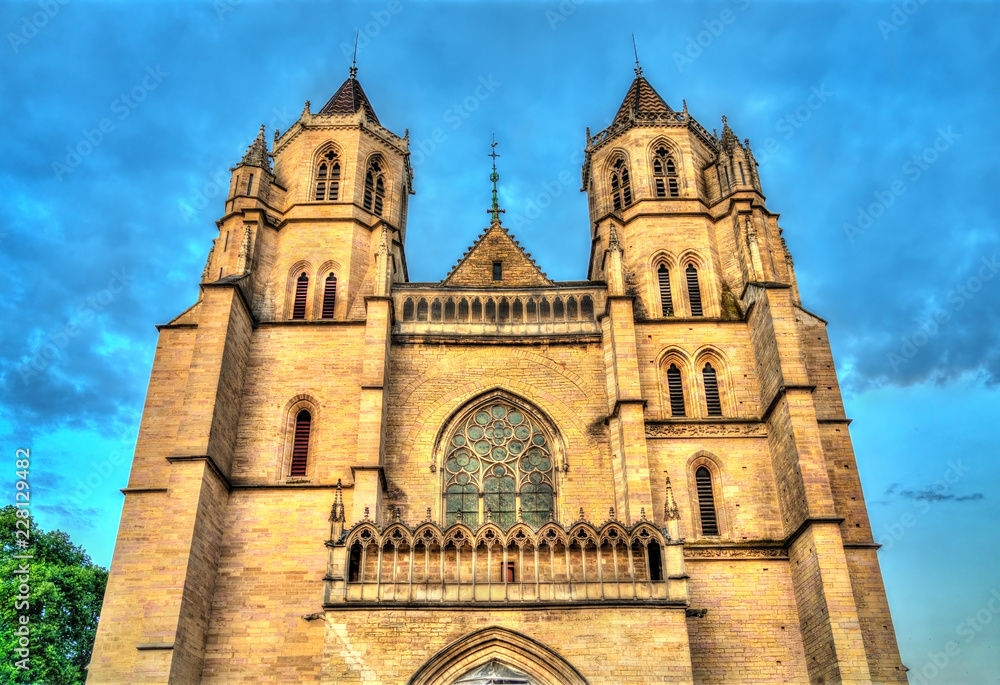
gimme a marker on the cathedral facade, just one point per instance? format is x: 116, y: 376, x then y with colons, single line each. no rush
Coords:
x: 343, y: 476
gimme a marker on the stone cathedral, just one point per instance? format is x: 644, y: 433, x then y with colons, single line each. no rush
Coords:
x: 344, y: 476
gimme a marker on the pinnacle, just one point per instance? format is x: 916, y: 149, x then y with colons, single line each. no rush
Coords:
x: 256, y: 154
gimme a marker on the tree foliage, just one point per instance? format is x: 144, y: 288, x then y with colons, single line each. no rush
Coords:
x: 64, y: 603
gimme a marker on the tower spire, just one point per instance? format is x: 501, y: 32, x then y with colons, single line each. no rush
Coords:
x: 638, y: 69
x: 494, y: 177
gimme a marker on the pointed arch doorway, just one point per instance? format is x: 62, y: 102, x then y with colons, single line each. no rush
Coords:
x: 497, y: 656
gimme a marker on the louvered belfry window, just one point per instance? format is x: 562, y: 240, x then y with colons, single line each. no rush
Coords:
x: 712, y: 402
x: 694, y: 290
x: 666, y: 300
x: 374, y: 199
x: 665, y: 173
x: 329, y: 296
x: 300, y: 448
x: 621, y: 187
x: 301, y: 294
x: 676, y: 391
x: 706, y: 501
x: 328, y: 177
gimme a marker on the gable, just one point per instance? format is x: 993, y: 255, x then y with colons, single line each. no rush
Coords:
x: 475, y: 269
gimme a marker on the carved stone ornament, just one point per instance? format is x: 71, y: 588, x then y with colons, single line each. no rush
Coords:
x: 734, y: 552
x: 703, y: 430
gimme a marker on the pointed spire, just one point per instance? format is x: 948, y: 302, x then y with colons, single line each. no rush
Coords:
x: 641, y: 102
x: 494, y: 177
x: 256, y: 154
x: 350, y: 98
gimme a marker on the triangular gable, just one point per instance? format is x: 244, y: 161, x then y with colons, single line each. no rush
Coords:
x: 475, y: 269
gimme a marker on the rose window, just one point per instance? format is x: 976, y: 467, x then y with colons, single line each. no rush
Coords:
x: 498, y: 461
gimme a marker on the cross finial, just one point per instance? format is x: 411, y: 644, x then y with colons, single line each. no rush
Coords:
x: 638, y: 69
x: 494, y: 177
x: 354, y: 63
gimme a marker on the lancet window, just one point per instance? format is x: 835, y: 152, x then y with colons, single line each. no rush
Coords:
x: 328, y: 176
x: 374, y: 199
x: 621, y: 185
x: 665, y: 173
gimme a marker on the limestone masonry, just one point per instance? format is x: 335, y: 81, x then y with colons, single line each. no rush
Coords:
x: 343, y: 476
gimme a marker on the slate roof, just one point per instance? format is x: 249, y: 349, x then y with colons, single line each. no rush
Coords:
x: 643, y: 100
x: 349, y: 99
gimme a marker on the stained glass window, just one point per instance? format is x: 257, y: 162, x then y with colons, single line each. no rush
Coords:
x: 502, y: 453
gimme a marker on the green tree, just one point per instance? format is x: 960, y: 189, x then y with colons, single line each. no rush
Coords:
x: 64, y: 603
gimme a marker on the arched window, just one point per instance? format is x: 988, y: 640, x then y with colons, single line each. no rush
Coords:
x: 300, y: 448
x: 706, y: 501
x: 712, y: 402
x: 328, y: 176
x: 502, y: 453
x: 665, y: 173
x: 666, y: 300
x: 408, y: 310
x: 301, y: 293
x: 375, y: 187
x: 676, y: 391
x: 694, y: 290
x: 621, y: 186
x: 329, y: 296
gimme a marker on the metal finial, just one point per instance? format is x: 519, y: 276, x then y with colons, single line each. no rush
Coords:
x: 638, y: 69
x: 354, y: 63
x: 494, y: 177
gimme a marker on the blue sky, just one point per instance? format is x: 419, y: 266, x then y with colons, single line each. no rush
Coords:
x: 873, y: 123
